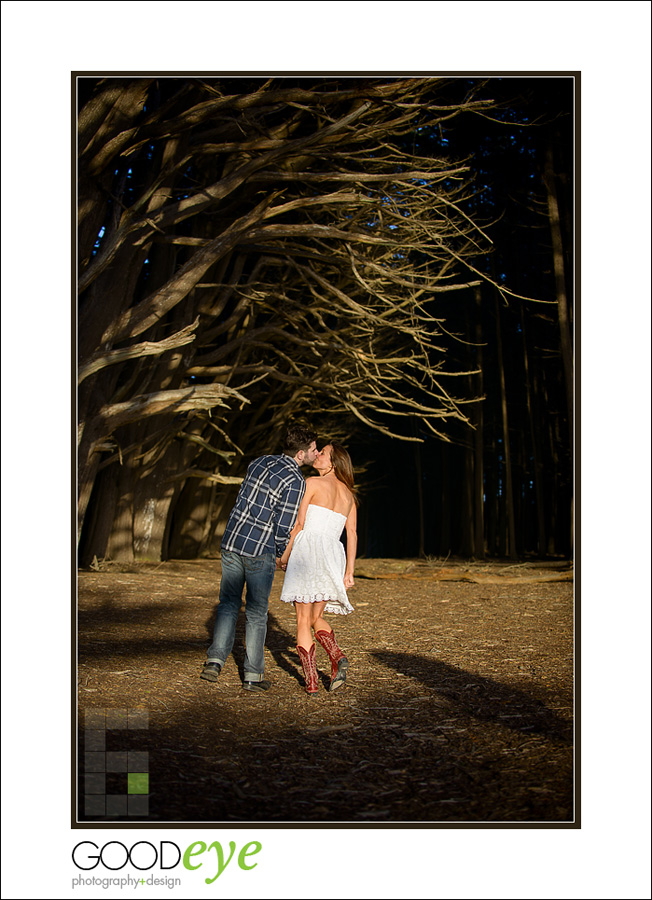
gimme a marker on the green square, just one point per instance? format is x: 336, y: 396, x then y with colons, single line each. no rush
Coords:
x: 137, y: 782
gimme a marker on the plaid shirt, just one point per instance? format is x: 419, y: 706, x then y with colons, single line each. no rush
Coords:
x: 266, y: 507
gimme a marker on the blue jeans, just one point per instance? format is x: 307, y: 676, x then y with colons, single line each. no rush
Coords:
x: 257, y: 572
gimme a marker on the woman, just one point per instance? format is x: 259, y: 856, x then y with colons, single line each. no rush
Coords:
x: 317, y: 571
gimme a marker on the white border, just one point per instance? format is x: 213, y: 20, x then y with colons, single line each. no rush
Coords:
x: 609, y: 44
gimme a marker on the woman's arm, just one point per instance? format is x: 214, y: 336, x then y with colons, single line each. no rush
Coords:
x: 301, y: 518
x: 351, y: 546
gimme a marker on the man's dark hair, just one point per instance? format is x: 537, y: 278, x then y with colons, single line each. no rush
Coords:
x: 297, y: 438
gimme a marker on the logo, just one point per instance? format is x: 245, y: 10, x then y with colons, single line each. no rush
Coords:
x: 143, y: 855
x: 131, y: 766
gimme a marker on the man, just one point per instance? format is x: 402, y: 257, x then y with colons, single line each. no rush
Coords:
x: 256, y: 535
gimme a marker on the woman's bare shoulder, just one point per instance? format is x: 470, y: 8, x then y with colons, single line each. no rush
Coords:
x: 344, y: 501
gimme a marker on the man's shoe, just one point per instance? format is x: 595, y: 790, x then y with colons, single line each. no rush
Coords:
x: 256, y: 685
x: 211, y: 671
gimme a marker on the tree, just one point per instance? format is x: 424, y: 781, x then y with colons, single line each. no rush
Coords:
x: 519, y: 453
x: 248, y: 251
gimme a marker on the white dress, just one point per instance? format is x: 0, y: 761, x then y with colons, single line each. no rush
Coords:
x: 316, y: 566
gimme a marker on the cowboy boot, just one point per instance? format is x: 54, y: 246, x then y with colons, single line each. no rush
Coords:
x: 307, y: 658
x: 339, y: 662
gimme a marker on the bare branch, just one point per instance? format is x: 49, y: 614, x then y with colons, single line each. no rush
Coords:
x: 146, y: 348
x: 170, y: 402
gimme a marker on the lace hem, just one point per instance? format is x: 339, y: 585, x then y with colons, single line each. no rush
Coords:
x: 319, y: 597
x: 336, y: 606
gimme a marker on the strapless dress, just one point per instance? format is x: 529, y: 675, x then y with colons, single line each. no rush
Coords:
x: 315, y: 570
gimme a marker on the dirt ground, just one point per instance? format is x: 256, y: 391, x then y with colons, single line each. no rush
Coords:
x: 458, y: 707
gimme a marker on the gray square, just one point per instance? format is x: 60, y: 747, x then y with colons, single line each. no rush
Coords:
x: 95, y: 783
x: 116, y: 805
x: 138, y: 761
x: 138, y: 718
x: 95, y: 740
x: 94, y: 762
x: 95, y: 805
x: 116, y: 761
x: 94, y: 718
x: 116, y: 718
x: 138, y: 804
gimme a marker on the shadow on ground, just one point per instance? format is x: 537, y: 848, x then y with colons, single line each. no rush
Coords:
x: 481, y: 698
x: 420, y: 736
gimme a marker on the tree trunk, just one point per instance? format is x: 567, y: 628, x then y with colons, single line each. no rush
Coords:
x: 153, y: 499
x: 467, y: 540
x: 534, y: 441
x: 510, y: 542
x: 193, y: 518
x: 494, y: 504
x: 419, y: 478
x: 121, y: 543
x: 560, y: 284
x: 97, y: 528
x: 552, y: 481
x: 445, y: 538
x: 478, y: 438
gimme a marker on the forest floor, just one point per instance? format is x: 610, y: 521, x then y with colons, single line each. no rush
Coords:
x: 458, y: 707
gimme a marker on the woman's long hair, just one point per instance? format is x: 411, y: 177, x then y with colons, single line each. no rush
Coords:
x: 343, y: 468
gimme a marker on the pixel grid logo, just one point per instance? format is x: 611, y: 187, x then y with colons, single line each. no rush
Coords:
x: 134, y: 764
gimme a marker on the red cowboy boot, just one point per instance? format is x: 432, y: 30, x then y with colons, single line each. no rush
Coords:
x: 307, y: 658
x: 339, y: 662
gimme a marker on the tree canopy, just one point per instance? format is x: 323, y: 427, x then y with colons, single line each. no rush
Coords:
x: 251, y: 251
